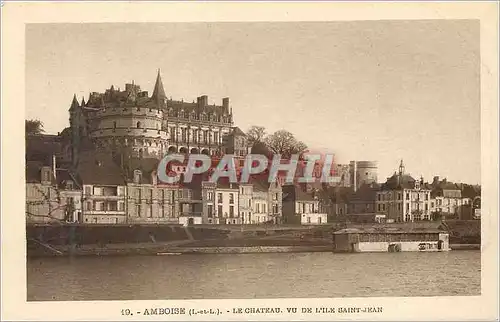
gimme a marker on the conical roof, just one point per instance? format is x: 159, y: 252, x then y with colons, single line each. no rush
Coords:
x: 159, y: 91
x: 74, y: 103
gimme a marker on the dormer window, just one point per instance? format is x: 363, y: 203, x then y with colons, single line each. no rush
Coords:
x: 137, y: 176
x: 69, y: 185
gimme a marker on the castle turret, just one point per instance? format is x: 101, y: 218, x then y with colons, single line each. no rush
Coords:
x: 158, y: 92
x: 74, y: 103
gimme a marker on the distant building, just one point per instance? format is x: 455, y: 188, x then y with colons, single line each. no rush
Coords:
x: 52, y: 194
x: 363, y: 172
x: 403, y: 199
x: 70, y: 192
x: 394, y: 239
x: 104, y: 190
x: 149, y: 201
x: 447, y: 199
x: 355, y: 174
x: 302, y: 207
x: 220, y: 203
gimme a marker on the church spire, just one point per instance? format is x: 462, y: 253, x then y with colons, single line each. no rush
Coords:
x: 159, y: 91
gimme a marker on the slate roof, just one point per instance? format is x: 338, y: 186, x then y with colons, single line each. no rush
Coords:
x: 238, y: 131
x: 33, y: 171
x: 397, y: 181
x: 146, y: 165
x: 99, y: 169
x: 65, y: 175
x: 297, y: 193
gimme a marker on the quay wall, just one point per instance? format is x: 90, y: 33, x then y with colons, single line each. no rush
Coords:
x: 41, y: 237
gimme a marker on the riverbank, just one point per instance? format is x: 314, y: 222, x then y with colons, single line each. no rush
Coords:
x: 155, y: 249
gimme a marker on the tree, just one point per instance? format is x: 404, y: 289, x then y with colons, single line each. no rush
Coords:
x: 256, y: 134
x: 284, y: 143
x: 33, y: 127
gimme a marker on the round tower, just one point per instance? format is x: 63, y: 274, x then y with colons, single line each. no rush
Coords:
x: 366, y: 172
x: 136, y: 129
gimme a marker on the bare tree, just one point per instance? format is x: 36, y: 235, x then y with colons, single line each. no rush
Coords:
x: 256, y: 134
x: 284, y: 143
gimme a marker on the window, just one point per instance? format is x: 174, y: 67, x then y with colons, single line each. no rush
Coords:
x: 210, y: 196
x: 308, y: 220
x: 399, y: 206
x: 264, y: 208
x: 114, y: 125
x: 407, y: 207
x: 88, y: 191
x: 379, y: 197
x: 407, y: 195
x: 399, y: 195
x: 319, y: 220
x: 258, y: 208
x: 231, y: 198
x: 231, y: 211
x: 120, y: 206
x: 426, y: 196
x: 210, y: 211
x: 426, y: 207
x: 138, y: 210
x: 138, y: 125
x: 219, y: 197
x: 219, y: 211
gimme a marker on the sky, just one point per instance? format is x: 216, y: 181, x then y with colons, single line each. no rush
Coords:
x: 364, y: 90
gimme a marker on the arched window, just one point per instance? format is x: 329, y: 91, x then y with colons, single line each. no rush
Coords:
x: 138, y: 125
x: 114, y: 125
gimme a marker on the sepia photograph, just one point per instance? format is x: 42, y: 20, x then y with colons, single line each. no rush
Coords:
x: 222, y: 160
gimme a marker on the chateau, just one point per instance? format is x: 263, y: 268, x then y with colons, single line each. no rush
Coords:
x: 132, y: 122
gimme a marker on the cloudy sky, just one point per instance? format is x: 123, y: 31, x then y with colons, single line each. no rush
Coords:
x: 379, y: 90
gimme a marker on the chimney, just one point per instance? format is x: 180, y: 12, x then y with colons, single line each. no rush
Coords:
x: 203, y: 101
x: 225, y: 104
x: 54, y: 166
x: 355, y: 176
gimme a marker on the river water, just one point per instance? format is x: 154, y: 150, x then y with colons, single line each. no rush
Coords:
x: 254, y: 276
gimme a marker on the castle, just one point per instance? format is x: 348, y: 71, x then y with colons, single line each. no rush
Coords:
x: 132, y: 122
